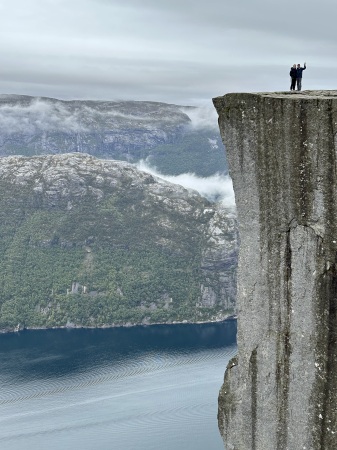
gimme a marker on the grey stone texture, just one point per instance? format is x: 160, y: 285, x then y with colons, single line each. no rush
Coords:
x: 280, y: 393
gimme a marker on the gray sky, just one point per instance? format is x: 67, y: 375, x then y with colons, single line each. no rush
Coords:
x: 176, y: 51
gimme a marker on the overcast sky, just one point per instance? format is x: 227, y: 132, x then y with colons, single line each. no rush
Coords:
x: 176, y: 51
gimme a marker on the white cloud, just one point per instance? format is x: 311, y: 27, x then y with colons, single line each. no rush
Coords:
x: 203, y: 116
x: 29, y: 115
x: 215, y: 188
x: 39, y: 116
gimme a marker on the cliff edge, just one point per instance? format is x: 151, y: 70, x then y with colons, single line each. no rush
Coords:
x: 281, y: 391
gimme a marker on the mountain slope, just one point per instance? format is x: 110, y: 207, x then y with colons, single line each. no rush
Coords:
x: 173, y: 138
x: 93, y: 242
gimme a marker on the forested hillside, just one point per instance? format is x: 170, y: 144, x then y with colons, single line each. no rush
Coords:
x: 90, y: 242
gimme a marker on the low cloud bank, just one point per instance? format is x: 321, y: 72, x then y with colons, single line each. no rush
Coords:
x: 43, y: 116
x: 55, y: 116
x: 216, y: 188
x: 202, y: 117
x: 39, y: 116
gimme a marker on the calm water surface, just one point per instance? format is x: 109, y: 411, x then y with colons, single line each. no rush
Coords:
x: 144, y: 388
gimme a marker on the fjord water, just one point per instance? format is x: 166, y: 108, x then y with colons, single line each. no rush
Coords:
x: 144, y: 388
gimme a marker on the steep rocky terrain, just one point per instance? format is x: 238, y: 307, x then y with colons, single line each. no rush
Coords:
x: 280, y: 393
x: 93, y: 242
x: 173, y: 138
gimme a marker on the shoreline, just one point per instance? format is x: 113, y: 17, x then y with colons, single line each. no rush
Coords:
x: 17, y: 329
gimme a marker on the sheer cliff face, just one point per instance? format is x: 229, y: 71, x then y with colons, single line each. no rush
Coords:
x: 281, y: 391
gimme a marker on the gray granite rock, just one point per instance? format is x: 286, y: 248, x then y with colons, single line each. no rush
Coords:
x: 281, y: 392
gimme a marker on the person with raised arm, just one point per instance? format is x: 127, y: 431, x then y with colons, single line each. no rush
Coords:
x: 299, y: 71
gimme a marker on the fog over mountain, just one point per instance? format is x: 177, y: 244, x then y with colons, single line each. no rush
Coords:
x: 173, y: 138
x: 126, y: 130
x: 36, y: 116
x: 24, y: 114
x: 216, y: 187
x: 202, y: 117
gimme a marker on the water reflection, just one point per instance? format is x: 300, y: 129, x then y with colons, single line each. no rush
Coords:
x: 41, y: 353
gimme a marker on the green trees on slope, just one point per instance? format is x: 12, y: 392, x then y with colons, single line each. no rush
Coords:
x: 84, y: 260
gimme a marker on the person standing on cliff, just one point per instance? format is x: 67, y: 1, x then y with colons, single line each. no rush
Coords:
x: 299, y: 71
x: 293, y: 76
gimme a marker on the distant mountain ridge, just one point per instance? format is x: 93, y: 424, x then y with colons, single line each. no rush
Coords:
x: 163, y: 134
x: 92, y: 242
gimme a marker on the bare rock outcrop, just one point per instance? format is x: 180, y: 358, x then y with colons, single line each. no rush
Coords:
x: 281, y: 391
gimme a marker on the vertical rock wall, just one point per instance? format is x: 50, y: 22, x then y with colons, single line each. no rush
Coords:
x: 281, y: 391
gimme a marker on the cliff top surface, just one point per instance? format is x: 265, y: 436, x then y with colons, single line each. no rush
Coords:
x: 290, y: 94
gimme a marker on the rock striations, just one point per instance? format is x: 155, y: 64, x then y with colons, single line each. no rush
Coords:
x: 281, y: 391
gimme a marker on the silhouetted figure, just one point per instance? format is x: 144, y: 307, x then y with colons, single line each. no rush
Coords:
x: 293, y: 76
x: 299, y: 71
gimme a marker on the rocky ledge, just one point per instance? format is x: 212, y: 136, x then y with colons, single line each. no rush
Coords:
x: 281, y: 391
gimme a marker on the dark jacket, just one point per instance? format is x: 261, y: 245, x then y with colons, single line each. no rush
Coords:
x: 299, y: 72
x: 293, y: 72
